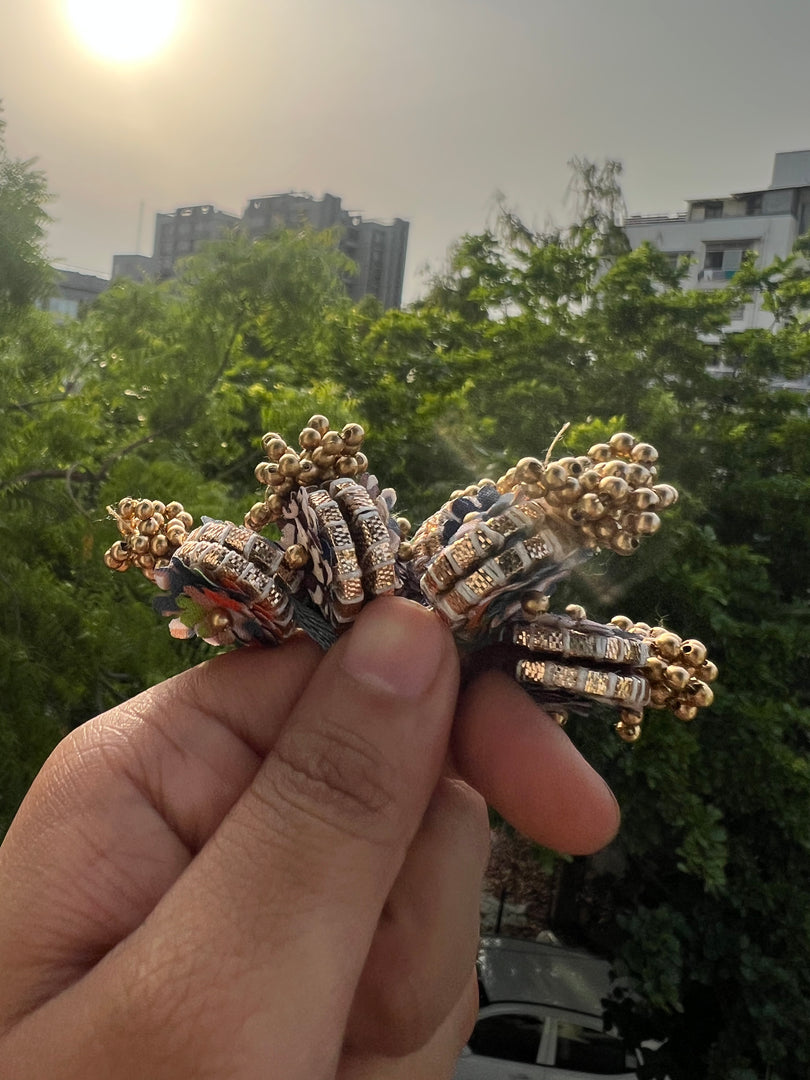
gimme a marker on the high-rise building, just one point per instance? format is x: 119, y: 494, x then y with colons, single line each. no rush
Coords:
x: 715, y: 232
x: 377, y: 249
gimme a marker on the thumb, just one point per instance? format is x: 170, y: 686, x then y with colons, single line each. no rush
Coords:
x: 256, y: 951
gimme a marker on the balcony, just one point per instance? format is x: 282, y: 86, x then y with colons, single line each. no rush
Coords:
x: 716, y: 275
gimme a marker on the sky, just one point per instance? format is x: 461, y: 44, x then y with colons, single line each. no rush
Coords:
x: 420, y: 109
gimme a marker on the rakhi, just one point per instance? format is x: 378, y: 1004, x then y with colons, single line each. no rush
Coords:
x: 487, y: 563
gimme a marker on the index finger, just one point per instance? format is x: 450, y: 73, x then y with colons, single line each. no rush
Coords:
x: 528, y: 769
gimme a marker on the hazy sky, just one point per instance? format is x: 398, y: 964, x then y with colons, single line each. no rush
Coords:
x: 421, y: 109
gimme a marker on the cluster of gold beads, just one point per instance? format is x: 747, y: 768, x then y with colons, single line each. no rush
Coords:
x: 151, y: 532
x: 609, y: 495
x: 324, y: 455
x: 678, y: 669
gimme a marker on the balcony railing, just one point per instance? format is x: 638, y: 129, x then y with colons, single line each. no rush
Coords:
x: 716, y: 275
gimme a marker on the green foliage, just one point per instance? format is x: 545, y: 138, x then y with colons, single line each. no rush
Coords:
x: 165, y: 390
x: 24, y: 272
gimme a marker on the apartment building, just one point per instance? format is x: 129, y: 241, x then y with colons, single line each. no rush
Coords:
x: 715, y: 232
x: 378, y: 249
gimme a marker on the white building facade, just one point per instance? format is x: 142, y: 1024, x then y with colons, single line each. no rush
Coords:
x: 715, y: 233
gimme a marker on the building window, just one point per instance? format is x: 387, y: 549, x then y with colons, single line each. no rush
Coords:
x: 722, y: 261
x: 713, y: 210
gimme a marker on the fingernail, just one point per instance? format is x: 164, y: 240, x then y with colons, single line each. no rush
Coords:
x: 396, y: 647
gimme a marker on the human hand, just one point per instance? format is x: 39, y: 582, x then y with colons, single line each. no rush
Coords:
x: 265, y: 868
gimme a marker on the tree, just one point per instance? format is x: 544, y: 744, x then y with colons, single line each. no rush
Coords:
x: 24, y: 272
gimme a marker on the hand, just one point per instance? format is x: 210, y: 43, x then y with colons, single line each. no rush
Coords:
x: 265, y: 867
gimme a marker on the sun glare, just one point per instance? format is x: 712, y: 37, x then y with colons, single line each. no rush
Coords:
x: 124, y: 31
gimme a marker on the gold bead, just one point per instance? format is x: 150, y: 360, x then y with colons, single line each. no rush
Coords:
x: 629, y: 733
x: 699, y: 694
x: 172, y: 510
x: 641, y: 628
x: 260, y: 513
x: 613, y: 490
x: 660, y: 696
x: 220, y: 620
x: 308, y: 473
x: 109, y: 561
x: 160, y: 546
x: 644, y: 453
x: 570, y: 492
x: 591, y: 506
x: 405, y: 550
x: 269, y: 437
x: 643, y: 498
x: 529, y: 470
x: 668, y: 646
x: 405, y: 527
x: 655, y: 668
x: 572, y: 465
x: 276, y: 449
x: 139, y: 544
x: 145, y: 509
x: 637, y: 475
x: 319, y: 422
x: 647, y: 523
x: 262, y: 472
x: 126, y: 507
x: 576, y: 612
x: 622, y: 622
x: 575, y: 515
x: 274, y: 504
x: 676, y: 677
x: 708, y: 671
x: 624, y: 544
x: 685, y: 712
x: 600, y: 452
x: 534, y: 603
x: 605, y: 529
x: 332, y: 442
x: 362, y: 462
x: 554, y: 477
x: 322, y: 458
x: 296, y: 556
x: 309, y: 438
x: 693, y: 652
x: 118, y: 552
x: 353, y: 435
x: 622, y: 443
x: 150, y: 527
x: 289, y: 466
x: 176, y: 533
x: 589, y: 479
x: 346, y: 465
x: 614, y: 467
x: 667, y: 495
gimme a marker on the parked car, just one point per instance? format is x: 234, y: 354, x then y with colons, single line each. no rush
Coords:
x: 541, y: 1017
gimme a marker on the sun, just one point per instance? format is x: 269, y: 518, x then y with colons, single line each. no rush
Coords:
x: 124, y: 31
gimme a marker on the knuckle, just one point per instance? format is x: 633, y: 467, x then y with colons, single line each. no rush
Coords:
x: 338, y: 777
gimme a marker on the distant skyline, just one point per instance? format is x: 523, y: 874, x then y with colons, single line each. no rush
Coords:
x: 421, y: 110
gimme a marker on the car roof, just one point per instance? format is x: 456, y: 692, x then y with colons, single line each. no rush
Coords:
x: 529, y: 971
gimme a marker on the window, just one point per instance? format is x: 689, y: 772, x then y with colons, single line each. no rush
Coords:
x: 722, y: 260
x: 713, y: 210
x: 512, y: 1037
x: 590, y: 1051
